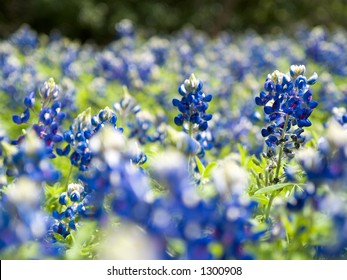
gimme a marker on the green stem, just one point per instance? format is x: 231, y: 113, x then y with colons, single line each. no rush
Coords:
x: 190, y: 133
x: 190, y: 125
x: 267, y: 212
x: 278, y: 167
x: 68, y: 177
x: 60, y: 208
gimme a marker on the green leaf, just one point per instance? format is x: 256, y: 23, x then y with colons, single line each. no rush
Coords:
x: 209, y: 168
x: 272, y: 188
x: 243, y: 154
x: 59, y: 238
x: 201, y: 167
x: 261, y: 198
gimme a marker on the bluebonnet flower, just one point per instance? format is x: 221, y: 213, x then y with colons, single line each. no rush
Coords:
x: 9, y: 63
x: 340, y: 115
x: 327, y: 164
x: 125, y: 28
x: 141, y: 125
x: 183, y: 142
x: 67, y: 96
x: 185, y: 57
x: 22, y: 218
x: 30, y: 158
x: 121, y: 62
x: 112, y: 67
x: 192, y: 107
x: 179, y: 214
x: 25, y: 39
x: 73, y: 207
x: 326, y: 49
x: 112, y: 174
x: 50, y: 116
x: 70, y: 67
x: 16, y: 77
x: 220, y: 220
x: 82, y: 130
x: 330, y: 94
x: 159, y: 48
x: 99, y: 86
x: 337, y: 248
x: 287, y: 102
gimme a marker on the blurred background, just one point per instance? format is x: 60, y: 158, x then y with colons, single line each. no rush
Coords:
x: 95, y: 19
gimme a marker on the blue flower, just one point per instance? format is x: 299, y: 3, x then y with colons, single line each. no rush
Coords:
x: 31, y: 159
x: 288, y: 103
x: 50, y: 116
x: 73, y: 208
x: 81, y: 131
x: 25, y: 39
x: 192, y: 107
x: 142, y: 125
x: 21, y: 216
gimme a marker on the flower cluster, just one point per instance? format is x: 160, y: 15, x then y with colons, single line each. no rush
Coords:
x: 25, y: 39
x: 30, y: 158
x: 340, y: 115
x: 141, y: 125
x: 327, y: 49
x: 73, y: 206
x: 22, y: 217
x: 112, y: 174
x: 106, y: 203
x: 82, y: 129
x: 180, y: 214
x: 192, y: 107
x: 50, y: 116
x: 328, y: 163
x: 287, y: 103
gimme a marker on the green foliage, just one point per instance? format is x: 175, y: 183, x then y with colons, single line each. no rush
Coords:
x: 84, y: 242
x: 96, y: 19
x: 52, y: 194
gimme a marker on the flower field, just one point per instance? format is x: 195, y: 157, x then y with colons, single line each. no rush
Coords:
x: 174, y: 147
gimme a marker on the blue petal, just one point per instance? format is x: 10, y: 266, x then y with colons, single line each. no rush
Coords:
x: 207, y: 117
x: 17, y: 119
x: 258, y: 101
x: 203, y: 126
x: 175, y: 102
x: 208, y: 98
x: 313, y: 79
x: 265, y: 132
x: 313, y: 104
x: 181, y: 90
x: 26, y: 116
x: 179, y: 120
x: 268, y: 110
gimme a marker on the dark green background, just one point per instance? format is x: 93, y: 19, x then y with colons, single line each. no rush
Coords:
x: 94, y: 19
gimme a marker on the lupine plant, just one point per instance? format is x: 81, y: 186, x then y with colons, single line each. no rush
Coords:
x: 288, y: 104
x: 102, y: 158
